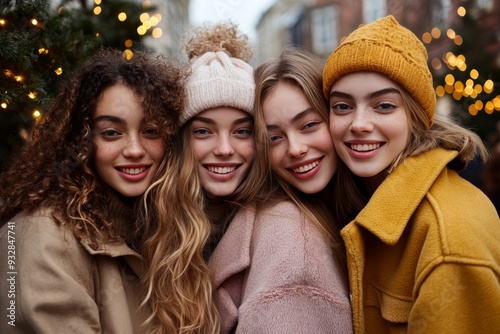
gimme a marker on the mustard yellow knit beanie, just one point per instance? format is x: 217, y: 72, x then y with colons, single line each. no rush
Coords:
x: 386, y: 47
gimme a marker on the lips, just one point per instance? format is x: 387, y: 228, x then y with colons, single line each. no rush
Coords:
x: 364, y: 147
x: 306, y: 168
x: 221, y: 169
x: 132, y: 171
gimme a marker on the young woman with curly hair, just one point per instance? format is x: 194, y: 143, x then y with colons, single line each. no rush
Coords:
x: 71, y: 198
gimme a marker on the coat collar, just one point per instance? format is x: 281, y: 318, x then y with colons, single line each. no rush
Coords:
x: 117, y: 249
x: 232, y: 254
x: 387, y: 213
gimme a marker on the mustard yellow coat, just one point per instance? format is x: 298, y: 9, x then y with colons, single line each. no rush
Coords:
x: 424, y: 254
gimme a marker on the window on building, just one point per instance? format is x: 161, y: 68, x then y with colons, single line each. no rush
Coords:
x: 324, y: 29
x: 374, y: 10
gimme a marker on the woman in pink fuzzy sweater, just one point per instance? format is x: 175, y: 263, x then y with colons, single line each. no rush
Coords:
x: 280, y: 267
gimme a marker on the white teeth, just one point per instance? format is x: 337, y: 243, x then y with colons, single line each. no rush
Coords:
x: 306, y: 168
x: 364, y: 147
x: 132, y: 171
x: 221, y: 170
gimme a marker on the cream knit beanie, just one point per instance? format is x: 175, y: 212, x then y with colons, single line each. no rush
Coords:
x: 218, y: 80
x: 386, y: 47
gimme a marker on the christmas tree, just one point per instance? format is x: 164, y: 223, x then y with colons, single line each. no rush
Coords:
x: 42, y: 43
x: 472, y: 76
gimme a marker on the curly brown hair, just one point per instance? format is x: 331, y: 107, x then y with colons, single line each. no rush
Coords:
x: 54, y: 169
x: 219, y: 37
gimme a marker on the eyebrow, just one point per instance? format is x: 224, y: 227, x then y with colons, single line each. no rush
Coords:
x: 109, y: 118
x: 294, y: 119
x: 390, y: 90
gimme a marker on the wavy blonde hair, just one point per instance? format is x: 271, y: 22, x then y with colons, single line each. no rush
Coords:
x: 177, y: 281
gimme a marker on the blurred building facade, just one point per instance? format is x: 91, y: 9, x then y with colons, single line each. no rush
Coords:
x: 320, y: 25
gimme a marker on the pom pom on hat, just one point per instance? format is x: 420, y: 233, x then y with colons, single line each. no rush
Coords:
x: 386, y: 47
x: 218, y: 80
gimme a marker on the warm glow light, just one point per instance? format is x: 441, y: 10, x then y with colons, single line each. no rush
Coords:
x: 19, y: 78
x: 461, y: 11
x: 122, y: 16
x: 34, y: 22
x: 468, y: 90
x: 488, y: 86
x: 141, y: 30
x: 97, y: 2
x: 41, y: 50
x: 448, y: 88
x: 158, y: 16
x: 129, y: 43
x: 144, y: 17
x: 474, y: 74
x: 472, y: 110
x: 459, y: 86
x: 58, y: 71
x: 479, y: 105
x: 440, y: 91
x: 457, y: 95
x: 436, y: 33
x: 157, y: 32
x: 496, y: 102
x: 97, y: 10
x: 154, y: 20
x: 469, y: 83
x: 478, y: 88
x: 37, y: 114
x: 147, y: 24
x: 32, y: 95
x: 450, y: 33
x: 489, y: 107
x: 436, y: 64
x: 3, y: 105
x: 146, y: 4
x: 128, y: 54
x: 2, y: 22
x: 449, y: 79
x: 458, y: 40
x: 426, y: 38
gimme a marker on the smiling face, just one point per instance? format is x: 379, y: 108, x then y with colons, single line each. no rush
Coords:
x: 224, y: 146
x: 301, y: 148
x: 128, y: 150
x: 368, y: 123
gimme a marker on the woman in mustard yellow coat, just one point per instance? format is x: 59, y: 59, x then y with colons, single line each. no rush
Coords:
x: 423, y: 254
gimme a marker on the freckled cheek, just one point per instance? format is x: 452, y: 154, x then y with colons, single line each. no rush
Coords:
x: 156, y: 149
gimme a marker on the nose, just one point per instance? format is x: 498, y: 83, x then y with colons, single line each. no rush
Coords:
x: 296, y: 147
x: 134, y: 148
x: 224, y: 146
x: 361, y: 122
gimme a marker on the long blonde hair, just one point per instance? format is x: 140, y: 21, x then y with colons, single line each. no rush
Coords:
x: 177, y: 282
x: 304, y: 71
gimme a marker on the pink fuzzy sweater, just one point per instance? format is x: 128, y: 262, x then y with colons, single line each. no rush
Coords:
x: 274, y: 273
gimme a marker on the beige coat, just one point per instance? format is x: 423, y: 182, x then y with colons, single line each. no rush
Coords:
x: 63, y: 285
